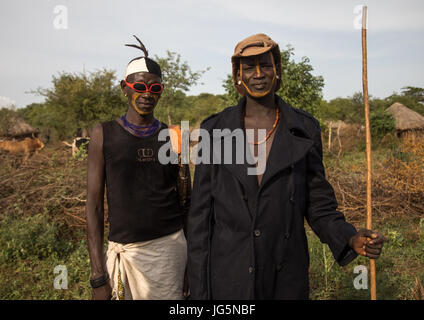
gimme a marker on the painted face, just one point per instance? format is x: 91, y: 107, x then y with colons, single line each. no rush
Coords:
x: 142, y: 102
x: 257, y: 74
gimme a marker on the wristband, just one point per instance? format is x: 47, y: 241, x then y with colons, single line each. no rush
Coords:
x: 100, y: 281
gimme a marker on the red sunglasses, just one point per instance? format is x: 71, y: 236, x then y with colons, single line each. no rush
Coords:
x: 142, y: 87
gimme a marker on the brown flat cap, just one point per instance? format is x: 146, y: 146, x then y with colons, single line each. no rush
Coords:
x: 253, y: 46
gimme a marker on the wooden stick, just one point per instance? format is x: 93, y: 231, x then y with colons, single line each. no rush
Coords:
x: 368, y: 141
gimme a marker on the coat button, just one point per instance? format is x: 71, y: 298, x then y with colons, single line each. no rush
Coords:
x: 287, y: 235
x: 251, y: 269
x: 291, y: 199
x: 279, y: 267
x: 257, y: 233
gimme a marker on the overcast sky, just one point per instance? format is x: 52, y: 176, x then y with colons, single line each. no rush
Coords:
x: 204, y: 33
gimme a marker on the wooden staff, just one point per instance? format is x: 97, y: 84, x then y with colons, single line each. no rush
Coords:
x: 368, y: 141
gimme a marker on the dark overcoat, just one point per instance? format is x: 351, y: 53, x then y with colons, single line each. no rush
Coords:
x: 247, y: 241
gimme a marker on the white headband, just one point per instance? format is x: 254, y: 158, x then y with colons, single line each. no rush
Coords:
x: 135, y: 66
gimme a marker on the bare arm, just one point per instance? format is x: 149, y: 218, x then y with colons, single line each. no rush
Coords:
x: 94, y: 207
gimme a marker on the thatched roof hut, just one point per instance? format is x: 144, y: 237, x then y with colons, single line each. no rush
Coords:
x: 18, y: 128
x: 406, y: 119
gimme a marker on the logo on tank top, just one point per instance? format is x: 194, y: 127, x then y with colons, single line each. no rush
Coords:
x: 145, y: 155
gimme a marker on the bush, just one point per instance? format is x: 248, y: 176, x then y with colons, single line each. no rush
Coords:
x: 382, y: 123
x: 32, y: 247
x: 5, y: 117
x: 31, y: 236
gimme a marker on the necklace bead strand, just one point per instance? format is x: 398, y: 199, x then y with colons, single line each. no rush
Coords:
x: 277, y: 118
x: 140, y: 131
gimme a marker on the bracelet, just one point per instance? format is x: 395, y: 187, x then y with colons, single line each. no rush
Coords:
x: 100, y: 281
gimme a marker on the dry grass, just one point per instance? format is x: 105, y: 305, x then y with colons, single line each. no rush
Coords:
x: 397, y: 189
x: 419, y: 290
x: 54, y: 181
x: 51, y: 182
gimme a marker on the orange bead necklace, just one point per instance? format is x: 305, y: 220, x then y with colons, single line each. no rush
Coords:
x: 277, y: 118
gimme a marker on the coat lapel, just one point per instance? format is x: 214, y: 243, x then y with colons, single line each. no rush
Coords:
x: 233, y: 122
x: 286, y: 149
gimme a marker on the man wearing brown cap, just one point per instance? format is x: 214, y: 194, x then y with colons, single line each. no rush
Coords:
x: 246, y: 235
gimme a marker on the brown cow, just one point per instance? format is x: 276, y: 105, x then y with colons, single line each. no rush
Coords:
x: 27, y: 146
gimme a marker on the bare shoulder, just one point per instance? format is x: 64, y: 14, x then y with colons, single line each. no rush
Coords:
x: 96, y: 135
x: 96, y: 140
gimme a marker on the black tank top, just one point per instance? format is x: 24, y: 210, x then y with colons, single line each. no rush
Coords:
x: 141, y: 192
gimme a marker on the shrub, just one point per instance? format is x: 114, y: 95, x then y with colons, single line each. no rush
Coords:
x: 31, y: 236
x: 381, y: 124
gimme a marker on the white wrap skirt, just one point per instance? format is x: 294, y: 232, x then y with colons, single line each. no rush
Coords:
x: 148, y: 270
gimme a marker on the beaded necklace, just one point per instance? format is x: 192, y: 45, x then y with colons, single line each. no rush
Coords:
x: 277, y: 119
x: 141, y: 131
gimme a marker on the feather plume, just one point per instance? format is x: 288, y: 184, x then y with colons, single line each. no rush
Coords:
x: 141, y: 46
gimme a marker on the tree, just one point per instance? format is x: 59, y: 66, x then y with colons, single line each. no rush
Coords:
x: 201, y: 106
x: 412, y: 97
x: 351, y: 110
x: 414, y: 92
x: 77, y: 100
x: 232, y: 96
x: 6, y: 116
x: 39, y: 115
x: 300, y: 87
x: 177, y: 78
x: 348, y: 109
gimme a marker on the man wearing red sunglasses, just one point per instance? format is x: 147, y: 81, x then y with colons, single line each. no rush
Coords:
x: 147, y: 201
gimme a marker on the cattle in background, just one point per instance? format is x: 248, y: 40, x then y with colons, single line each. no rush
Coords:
x: 27, y: 146
x: 78, y: 143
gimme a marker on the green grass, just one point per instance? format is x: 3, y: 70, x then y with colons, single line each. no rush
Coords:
x: 349, y: 159
x: 400, y: 263
x: 31, y: 247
